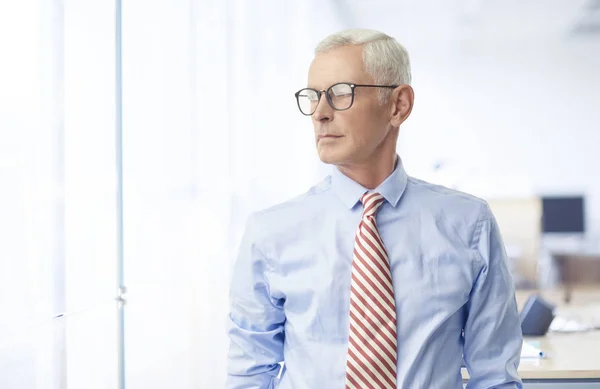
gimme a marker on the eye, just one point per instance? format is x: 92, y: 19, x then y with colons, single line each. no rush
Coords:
x: 309, y: 94
x: 341, y: 90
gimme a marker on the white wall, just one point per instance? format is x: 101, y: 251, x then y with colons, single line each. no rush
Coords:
x: 510, y: 118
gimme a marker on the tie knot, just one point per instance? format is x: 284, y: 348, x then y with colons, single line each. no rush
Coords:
x: 371, y: 203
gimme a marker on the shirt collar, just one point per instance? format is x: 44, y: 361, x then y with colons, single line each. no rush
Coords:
x: 350, y: 191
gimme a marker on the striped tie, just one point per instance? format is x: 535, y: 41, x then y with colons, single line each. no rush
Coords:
x: 372, y: 342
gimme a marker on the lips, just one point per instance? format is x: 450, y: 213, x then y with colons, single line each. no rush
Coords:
x: 325, y: 136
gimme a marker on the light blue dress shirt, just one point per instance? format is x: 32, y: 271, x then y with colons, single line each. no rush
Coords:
x: 290, y: 291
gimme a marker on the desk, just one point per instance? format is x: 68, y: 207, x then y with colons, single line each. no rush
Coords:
x: 568, y: 356
x: 572, y: 359
x: 565, y: 260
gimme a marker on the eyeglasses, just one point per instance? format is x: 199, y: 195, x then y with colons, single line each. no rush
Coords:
x: 340, y: 96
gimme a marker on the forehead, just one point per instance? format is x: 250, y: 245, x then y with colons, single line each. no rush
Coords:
x: 341, y: 64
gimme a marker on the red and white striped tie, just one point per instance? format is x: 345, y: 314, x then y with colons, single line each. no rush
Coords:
x: 372, y: 347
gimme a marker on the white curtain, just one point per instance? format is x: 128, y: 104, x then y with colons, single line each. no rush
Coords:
x: 58, y: 255
x: 29, y: 173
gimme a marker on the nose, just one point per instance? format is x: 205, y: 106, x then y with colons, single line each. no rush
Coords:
x: 324, y: 112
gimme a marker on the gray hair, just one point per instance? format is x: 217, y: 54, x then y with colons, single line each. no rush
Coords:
x: 384, y: 58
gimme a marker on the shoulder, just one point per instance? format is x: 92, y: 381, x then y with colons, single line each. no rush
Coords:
x: 446, y: 203
x: 455, y: 214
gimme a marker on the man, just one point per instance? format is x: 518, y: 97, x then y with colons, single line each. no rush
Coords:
x: 372, y: 279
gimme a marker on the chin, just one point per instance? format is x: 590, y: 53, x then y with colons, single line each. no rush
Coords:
x: 331, y: 156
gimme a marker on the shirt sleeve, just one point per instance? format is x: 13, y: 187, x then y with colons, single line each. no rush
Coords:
x: 256, y: 320
x: 492, y: 333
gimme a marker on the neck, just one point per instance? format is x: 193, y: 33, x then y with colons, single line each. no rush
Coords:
x: 371, y: 173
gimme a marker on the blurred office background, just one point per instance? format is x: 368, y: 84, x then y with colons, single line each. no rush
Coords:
x: 507, y: 108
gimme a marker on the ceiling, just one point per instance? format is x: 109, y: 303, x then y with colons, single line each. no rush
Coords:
x: 476, y: 20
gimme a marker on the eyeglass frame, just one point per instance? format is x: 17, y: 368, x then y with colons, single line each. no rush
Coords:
x: 328, y: 98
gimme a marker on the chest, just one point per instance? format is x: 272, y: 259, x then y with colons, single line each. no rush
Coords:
x: 432, y: 275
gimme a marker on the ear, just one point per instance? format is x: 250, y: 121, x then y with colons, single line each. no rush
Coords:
x: 401, y: 100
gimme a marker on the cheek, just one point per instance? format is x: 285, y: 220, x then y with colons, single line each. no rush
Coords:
x: 363, y: 126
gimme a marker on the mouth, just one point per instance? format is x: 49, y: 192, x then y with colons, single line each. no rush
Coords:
x: 328, y: 136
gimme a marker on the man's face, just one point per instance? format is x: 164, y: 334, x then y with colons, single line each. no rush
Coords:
x: 354, y: 135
